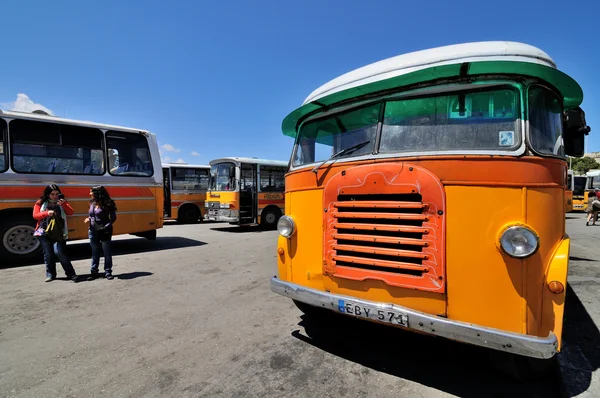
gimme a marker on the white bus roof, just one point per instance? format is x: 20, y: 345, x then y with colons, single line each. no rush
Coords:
x: 593, y: 173
x: 56, y: 119
x: 417, y: 60
x: 434, y: 66
x: 185, y: 165
x: 239, y: 160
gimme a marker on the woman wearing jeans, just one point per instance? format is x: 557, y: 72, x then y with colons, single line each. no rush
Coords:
x: 103, y: 214
x: 52, y: 204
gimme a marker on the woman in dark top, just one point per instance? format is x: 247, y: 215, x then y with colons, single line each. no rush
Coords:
x: 103, y: 214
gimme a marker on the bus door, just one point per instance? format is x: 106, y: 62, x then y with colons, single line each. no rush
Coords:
x: 248, y: 197
x: 167, y: 189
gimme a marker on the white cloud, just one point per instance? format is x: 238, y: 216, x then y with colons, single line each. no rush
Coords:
x: 24, y: 104
x: 180, y: 161
x: 194, y: 153
x: 169, y: 148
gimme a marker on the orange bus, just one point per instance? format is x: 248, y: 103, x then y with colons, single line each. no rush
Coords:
x: 427, y: 192
x: 185, y: 191
x: 246, y: 191
x: 38, y: 149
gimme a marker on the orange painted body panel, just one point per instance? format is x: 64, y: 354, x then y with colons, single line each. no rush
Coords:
x: 139, y: 208
x: 180, y: 198
x: 480, y: 197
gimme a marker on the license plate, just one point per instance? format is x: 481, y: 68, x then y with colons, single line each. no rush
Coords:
x: 372, y: 312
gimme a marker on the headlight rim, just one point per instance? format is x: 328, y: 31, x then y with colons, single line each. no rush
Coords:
x: 292, y: 224
x: 512, y: 227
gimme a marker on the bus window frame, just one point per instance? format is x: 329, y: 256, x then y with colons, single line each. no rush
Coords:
x: 527, y: 120
x: 485, y: 84
x: 283, y: 170
x: 172, y: 170
x: 108, y: 169
x: 11, y: 149
x: 4, y: 144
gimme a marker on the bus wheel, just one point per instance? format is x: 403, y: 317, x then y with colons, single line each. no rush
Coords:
x: 523, y: 368
x: 188, y: 214
x: 269, y: 218
x: 16, y: 239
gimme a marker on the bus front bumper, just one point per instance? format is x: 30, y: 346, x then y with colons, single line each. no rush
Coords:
x: 222, y: 215
x: 516, y: 343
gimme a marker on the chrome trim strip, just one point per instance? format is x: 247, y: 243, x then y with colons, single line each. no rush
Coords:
x: 516, y: 343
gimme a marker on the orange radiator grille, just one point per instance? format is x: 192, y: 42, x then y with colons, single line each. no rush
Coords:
x: 380, y: 234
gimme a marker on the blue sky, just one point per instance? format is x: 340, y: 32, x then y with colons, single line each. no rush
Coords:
x: 215, y: 79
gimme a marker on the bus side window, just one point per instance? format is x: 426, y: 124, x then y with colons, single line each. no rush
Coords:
x: 128, y: 154
x: 3, y: 162
x: 272, y: 178
x: 54, y: 148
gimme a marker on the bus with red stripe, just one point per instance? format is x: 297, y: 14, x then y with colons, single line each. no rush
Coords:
x: 185, y: 191
x: 38, y: 149
x: 246, y: 191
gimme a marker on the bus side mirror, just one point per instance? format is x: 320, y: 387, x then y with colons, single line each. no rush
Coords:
x: 574, y: 131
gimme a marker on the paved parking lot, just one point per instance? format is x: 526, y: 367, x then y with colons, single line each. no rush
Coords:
x: 191, y: 315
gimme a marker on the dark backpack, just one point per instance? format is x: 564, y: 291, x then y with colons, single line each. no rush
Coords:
x: 54, y: 230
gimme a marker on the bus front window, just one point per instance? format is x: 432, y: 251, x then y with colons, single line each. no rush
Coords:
x: 545, y: 121
x: 222, y: 177
x: 482, y: 120
x: 320, y: 139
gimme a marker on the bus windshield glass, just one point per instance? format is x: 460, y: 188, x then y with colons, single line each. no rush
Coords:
x: 320, y: 139
x: 545, y: 121
x: 482, y: 120
x: 222, y: 177
x: 476, y: 120
x: 579, y: 185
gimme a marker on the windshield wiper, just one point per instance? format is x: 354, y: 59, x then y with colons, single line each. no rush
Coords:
x: 341, y: 153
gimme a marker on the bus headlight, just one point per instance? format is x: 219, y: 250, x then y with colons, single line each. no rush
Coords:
x: 286, y: 226
x: 225, y: 205
x: 519, y: 241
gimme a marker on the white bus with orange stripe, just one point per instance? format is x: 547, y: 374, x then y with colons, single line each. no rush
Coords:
x: 246, y: 191
x: 185, y: 191
x: 38, y: 149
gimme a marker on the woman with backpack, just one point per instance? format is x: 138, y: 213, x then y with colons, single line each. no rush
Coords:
x: 51, y: 212
x: 103, y: 214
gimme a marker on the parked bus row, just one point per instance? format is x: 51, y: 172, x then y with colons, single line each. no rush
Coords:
x: 37, y: 149
x: 578, y: 188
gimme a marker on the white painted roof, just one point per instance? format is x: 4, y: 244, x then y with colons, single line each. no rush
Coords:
x: 186, y: 165
x: 83, y: 123
x: 239, y: 160
x: 414, y: 61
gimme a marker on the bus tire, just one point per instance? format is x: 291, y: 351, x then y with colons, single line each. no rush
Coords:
x: 523, y: 368
x: 17, y: 242
x: 188, y: 214
x: 269, y: 217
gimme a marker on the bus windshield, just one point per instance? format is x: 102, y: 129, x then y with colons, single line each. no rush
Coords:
x: 579, y: 185
x: 222, y: 177
x: 469, y: 120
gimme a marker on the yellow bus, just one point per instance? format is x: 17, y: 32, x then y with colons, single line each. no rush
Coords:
x: 569, y: 191
x: 380, y: 220
x: 579, y: 193
x: 246, y: 191
x: 185, y: 188
x: 37, y: 149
